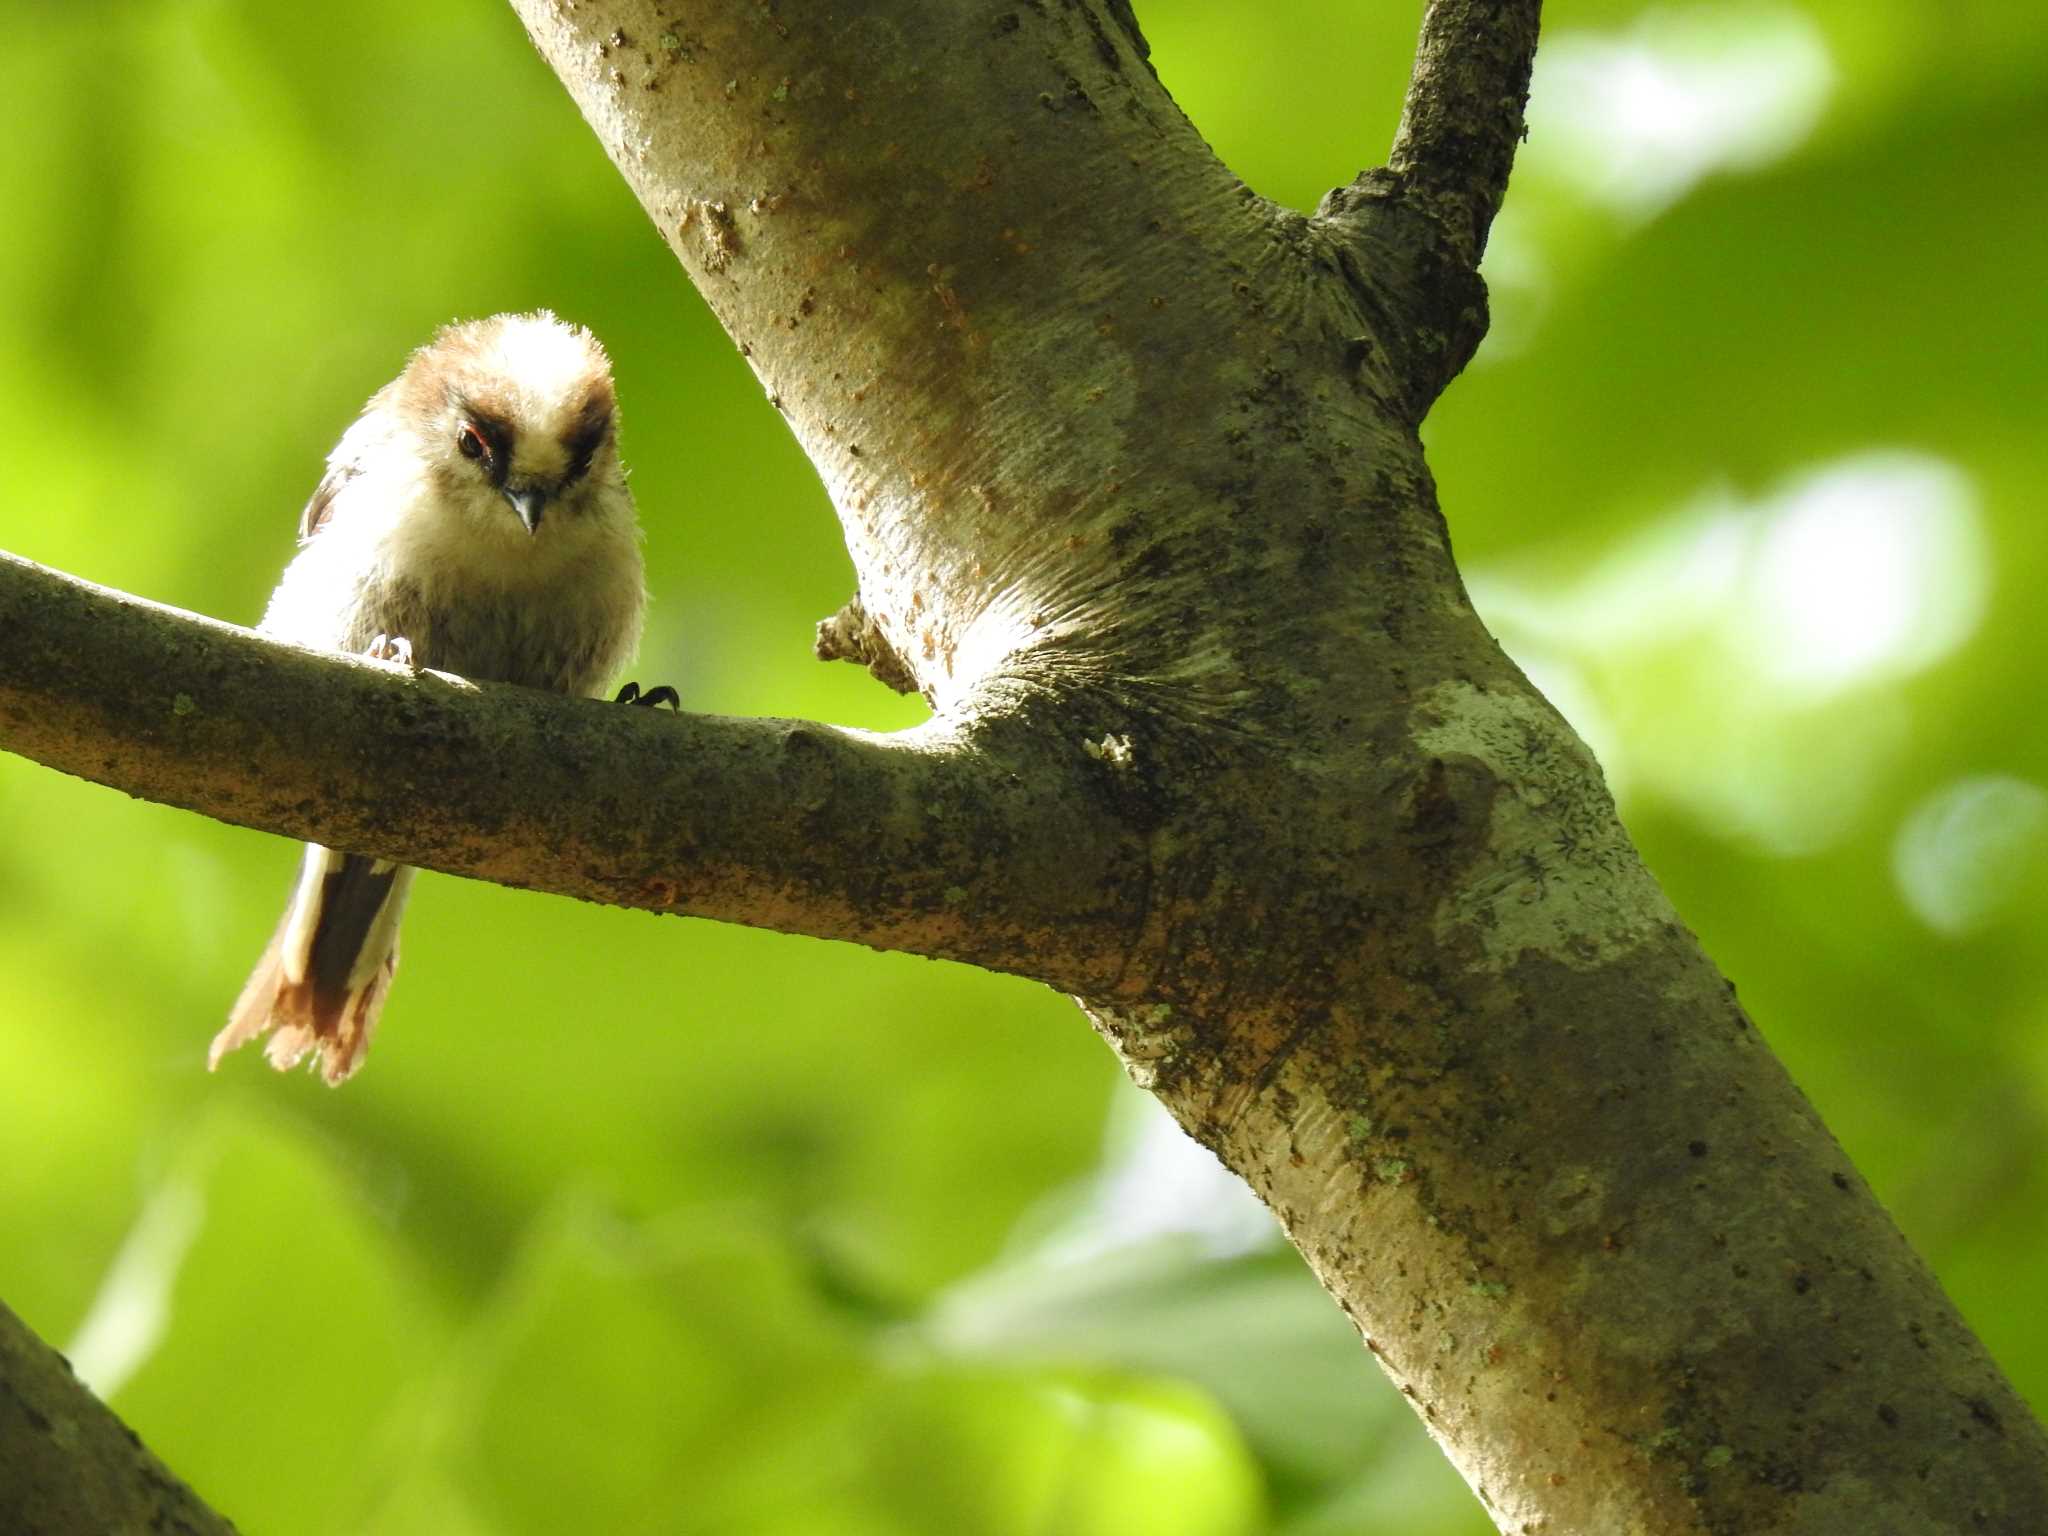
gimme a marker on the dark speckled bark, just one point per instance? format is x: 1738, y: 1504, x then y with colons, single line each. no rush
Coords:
x: 1126, y: 459
x: 68, y: 1467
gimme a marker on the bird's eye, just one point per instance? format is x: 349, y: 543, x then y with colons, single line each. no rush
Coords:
x: 470, y: 442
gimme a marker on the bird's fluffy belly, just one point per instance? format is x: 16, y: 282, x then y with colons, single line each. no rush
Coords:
x: 491, y: 633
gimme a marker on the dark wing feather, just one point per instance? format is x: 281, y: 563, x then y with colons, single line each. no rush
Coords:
x: 322, y: 503
x: 345, y: 463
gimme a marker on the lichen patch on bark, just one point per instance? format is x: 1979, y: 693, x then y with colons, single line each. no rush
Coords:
x: 1564, y: 879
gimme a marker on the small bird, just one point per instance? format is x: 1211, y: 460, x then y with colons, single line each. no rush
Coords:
x: 474, y: 519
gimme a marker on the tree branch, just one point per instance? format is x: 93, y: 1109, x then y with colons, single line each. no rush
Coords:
x: 1463, y: 115
x: 1127, y: 464
x: 68, y: 1466
x: 932, y: 840
x: 1110, y: 436
x: 1410, y: 234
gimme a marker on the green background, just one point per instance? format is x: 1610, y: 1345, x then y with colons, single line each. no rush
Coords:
x: 636, y: 1225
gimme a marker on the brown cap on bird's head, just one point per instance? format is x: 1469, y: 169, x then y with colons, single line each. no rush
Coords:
x: 527, y: 399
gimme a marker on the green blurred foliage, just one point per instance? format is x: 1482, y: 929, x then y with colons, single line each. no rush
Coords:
x: 640, y: 1225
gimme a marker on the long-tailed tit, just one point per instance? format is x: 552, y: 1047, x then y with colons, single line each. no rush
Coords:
x: 474, y: 519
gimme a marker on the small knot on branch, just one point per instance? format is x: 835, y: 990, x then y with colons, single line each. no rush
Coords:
x: 851, y: 634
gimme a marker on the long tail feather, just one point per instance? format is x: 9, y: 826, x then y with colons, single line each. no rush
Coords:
x: 323, y: 978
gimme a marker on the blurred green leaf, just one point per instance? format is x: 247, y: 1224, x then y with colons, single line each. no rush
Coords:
x: 648, y: 1379
x: 986, y: 1454
x: 258, y: 1267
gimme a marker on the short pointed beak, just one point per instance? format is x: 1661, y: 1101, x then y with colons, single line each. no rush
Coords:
x: 529, y: 501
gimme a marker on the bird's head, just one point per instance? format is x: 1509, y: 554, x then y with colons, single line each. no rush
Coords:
x: 515, y: 420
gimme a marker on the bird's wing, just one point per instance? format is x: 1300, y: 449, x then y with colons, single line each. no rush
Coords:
x: 345, y: 463
x: 315, y: 514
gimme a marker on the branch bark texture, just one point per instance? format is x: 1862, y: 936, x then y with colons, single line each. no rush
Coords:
x: 1463, y: 115
x: 1117, y: 444
x: 902, y: 842
x: 68, y: 1467
x: 1126, y: 458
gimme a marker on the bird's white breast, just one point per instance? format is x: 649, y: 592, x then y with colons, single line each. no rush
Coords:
x: 459, y: 577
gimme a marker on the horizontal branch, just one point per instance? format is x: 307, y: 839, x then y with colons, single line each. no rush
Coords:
x: 934, y: 840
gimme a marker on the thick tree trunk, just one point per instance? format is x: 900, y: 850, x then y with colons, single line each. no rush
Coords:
x: 1127, y: 462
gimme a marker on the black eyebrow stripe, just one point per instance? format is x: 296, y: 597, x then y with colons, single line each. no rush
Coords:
x: 497, y: 432
x: 588, y: 437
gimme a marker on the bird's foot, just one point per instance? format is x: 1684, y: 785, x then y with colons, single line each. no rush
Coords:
x: 392, y: 648
x: 652, y: 698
